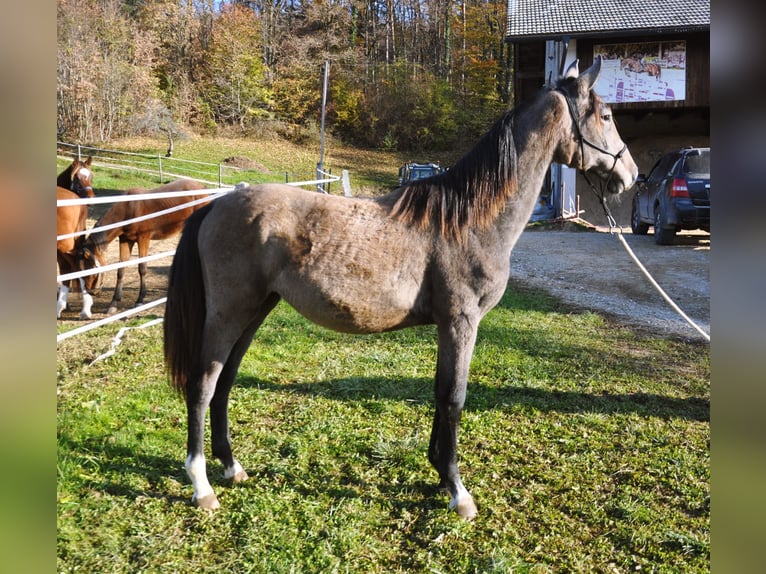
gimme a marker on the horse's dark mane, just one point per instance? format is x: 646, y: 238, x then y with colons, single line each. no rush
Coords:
x: 64, y: 179
x: 472, y: 192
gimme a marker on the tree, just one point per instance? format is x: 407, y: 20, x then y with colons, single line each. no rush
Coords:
x: 237, y: 90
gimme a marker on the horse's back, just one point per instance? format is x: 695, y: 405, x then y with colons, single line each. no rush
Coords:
x: 161, y: 227
x: 69, y: 218
x: 341, y: 262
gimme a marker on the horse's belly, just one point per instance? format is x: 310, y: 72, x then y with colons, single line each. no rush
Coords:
x: 358, y: 311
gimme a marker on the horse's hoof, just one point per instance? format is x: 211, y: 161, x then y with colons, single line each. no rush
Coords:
x: 84, y: 315
x: 208, y: 502
x: 112, y: 310
x: 465, y: 507
x: 241, y: 476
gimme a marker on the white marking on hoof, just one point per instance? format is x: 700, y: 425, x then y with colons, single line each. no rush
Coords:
x: 61, y: 300
x: 112, y: 310
x: 204, y: 497
x: 236, y: 473
x: 87, y: 303
x: 209, y: 502
x: 463, y: 504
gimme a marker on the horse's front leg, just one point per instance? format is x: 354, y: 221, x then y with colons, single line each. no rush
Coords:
x: 87, y: 301
x: 456, y: 343
x: 125, y: 248
x: 61, y: 299
x: 143, y: 251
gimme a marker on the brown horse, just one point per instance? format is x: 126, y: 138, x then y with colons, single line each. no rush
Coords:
x: 71, y: 219
x: 653, y: 70
x: 77, y: 177
x: 631, y: 65
x: 141, y: 232
x: 434, y: 251
x: 76, y: 181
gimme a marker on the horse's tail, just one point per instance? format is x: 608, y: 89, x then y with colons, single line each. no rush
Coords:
x: 185, y: 307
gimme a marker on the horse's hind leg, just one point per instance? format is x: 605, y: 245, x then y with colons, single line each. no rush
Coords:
x: 219, y: 405
x: 456, y: 344
x: 224, y: 345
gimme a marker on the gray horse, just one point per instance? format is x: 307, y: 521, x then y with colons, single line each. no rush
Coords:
x: 434, y: 251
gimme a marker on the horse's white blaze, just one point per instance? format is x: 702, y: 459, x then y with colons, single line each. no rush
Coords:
x: 85, y: 172
x: 196, y: 469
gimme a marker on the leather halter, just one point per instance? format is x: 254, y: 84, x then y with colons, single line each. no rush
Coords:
x: 582, y: 141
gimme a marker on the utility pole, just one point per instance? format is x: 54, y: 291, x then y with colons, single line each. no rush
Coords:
x: 320, y: 165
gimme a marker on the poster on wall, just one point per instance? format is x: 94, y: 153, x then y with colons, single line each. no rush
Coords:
x: 642, y: 72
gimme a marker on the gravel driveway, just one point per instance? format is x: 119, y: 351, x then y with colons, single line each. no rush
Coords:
x: 592, y: 270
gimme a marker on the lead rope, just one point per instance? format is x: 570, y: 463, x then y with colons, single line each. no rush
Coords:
x: 612, y: 227
x: 612, y: 223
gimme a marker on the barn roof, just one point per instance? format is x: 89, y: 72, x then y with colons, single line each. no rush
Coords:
x: 545, y: 19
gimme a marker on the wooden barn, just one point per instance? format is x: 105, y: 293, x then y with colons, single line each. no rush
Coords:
x: 656, y: 77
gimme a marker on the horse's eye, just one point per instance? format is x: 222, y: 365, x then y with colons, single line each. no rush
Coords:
x: 607, y: 117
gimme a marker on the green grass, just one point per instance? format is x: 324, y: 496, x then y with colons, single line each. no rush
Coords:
x: 370, y: 171
x: 585, y: 445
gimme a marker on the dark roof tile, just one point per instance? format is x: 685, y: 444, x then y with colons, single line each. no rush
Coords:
x: 552, y: 18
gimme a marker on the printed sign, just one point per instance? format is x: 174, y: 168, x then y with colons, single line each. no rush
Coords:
x: 642, y: 72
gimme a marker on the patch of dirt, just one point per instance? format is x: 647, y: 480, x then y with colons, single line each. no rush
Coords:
x: 245, y: 163
x: 583, y: 265
x: 592, y: 270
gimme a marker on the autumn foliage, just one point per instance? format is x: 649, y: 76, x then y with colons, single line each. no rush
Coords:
x: 404, y: 74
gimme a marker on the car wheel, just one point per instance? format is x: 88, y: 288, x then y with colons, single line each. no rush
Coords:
x: 636, y: 225
x: 663, y: 235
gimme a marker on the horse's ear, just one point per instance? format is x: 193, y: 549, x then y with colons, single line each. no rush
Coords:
x: 87, y: 161
x: 590, y: 76
x: 573, y: 70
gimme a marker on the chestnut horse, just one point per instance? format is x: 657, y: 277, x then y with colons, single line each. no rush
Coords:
x: 77, y: 177
x: 141, y: 232
x: 433, y: 251
x: 76, y: 181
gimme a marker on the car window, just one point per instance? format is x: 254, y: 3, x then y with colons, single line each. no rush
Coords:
x: 662, y: 168
x: 697, y: 165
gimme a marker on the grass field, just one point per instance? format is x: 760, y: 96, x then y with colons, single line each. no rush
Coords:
x: 584, y: 443
x: 370, y: 171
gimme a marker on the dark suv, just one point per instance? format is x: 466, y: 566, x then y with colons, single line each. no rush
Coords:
x: 411, y: 171
x: 674, y: 196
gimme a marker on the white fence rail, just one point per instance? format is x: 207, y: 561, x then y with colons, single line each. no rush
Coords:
x: 214, y: 192
x: 169, y: 168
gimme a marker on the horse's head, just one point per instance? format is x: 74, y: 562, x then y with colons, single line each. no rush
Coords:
x: 88, y: 257
x: 82, y: 178
x: 595, y: 146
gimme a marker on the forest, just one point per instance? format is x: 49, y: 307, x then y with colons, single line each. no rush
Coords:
x: 403, y: 74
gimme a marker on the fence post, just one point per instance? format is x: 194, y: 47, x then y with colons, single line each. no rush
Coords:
x: 79, y: 153
x: 159, y: 158
x: 345, y: 183
x: 220, y: 176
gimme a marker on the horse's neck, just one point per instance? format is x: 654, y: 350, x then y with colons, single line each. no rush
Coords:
x: 65, y: 179
x: 102, y: 239
x: 537, y: 148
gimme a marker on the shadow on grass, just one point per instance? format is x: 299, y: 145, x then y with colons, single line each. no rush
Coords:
x: 121, y: 461
x: 482, y: 397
